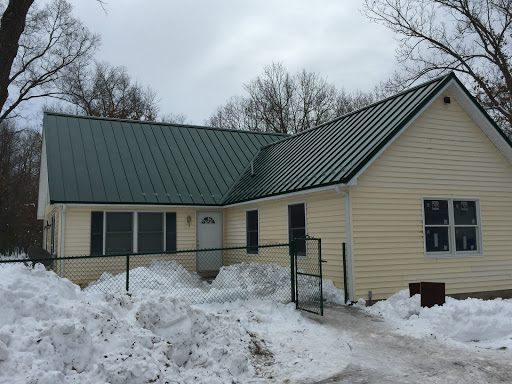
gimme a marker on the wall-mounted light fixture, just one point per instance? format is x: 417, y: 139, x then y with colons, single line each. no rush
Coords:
x: 189, y: 220
x: 447, y: 100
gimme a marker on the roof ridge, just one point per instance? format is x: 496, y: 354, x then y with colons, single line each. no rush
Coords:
x: 164, y: 124
x: 437, y: 78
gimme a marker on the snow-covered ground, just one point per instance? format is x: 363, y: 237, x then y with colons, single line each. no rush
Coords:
x: 471, y: 322
x: 14, y: 256
x: 53, y: 332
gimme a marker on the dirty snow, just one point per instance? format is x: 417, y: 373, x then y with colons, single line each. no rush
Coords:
x: 470, y: 322
x: 52, y: 332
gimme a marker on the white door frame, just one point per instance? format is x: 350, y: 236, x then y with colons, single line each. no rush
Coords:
x: 197, y: 224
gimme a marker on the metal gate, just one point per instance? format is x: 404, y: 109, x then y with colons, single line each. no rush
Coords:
x: 307, y: 257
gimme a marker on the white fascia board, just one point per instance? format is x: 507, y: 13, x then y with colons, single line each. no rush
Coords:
x: 480, y: 119
x: 138, y: 206
x: 353, y: 181
x: 44, y: 193
x: 285, y: 195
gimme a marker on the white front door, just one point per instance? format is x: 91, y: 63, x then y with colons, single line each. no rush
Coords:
x: 209, y: 235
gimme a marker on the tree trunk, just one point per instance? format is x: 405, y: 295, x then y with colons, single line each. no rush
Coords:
x: 12, y: 25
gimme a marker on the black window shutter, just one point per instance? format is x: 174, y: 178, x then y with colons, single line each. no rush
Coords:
x: 96, y: 233
x: 170, y: 231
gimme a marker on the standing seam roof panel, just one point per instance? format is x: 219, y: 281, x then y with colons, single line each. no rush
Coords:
x: 91, y: 159
x: 328, y: 154
x: 121, y: 169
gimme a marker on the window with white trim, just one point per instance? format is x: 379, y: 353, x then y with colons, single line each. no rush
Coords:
x: 297, y: 226
x: 128, y: 232
x: 251, y: 225
x: 452, y: 227
x: 119, y: 232
x: 150, y: 232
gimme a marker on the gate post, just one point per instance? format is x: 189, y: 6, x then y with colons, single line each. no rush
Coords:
x: 320, y: 261
x: 292, y: 270
x: 127, y: 272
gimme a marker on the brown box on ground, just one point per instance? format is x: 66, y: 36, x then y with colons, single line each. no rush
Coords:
x: 431, y: 293
x: 414, y: 289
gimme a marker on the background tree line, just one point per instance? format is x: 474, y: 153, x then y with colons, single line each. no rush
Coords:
x: 46, y: 52
x: 278, y: 101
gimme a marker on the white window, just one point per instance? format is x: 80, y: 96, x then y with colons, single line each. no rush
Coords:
x: 297, y: 226
x: 119, y: 232
x: 251, y: 230
x: 452, y: 227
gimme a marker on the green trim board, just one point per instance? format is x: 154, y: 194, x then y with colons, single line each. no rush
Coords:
x: 110, y: 161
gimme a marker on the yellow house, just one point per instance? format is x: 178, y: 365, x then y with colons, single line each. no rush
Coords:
x: 418, y: 186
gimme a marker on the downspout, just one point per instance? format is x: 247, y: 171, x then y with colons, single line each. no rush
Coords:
x: 348, y: 230
x: 62, y: 228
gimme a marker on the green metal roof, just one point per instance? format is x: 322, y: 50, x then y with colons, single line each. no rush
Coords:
x: 108, y: 161
x: 111, y: 161
x: 334, y: 152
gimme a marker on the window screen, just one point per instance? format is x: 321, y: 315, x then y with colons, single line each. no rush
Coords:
x: 251, y: 219
x: 170, y: 231
x: 119, y: 233
x: 297, y: 226
x: 96, y: 233
x: 150, y: 232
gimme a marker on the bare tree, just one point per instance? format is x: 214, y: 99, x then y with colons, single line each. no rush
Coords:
x: 173, y: 118
x: 107, y: 91
x: 471, y: 37
x: 316, y: 100
x: 272, y: 96
x: 237, y: 113
x: 20, y: 151
x: 44, y: 41
x: 12, y: 25
x: 280, y: 102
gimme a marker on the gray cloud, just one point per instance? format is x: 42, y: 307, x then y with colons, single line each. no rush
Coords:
x: 196, y: 54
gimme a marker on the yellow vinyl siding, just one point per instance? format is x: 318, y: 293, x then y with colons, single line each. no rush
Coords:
x: 443, y: 153
x: 325, y: 218
x: 78, y: 227
x: 77, y: 242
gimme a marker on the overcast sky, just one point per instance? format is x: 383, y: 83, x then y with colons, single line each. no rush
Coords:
x: 196, y: 54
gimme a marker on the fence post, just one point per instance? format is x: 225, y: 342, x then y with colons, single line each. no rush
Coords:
x: 292, y: 269
x: 345, y: 273
x: 127, y: 273
x: 320, y: 261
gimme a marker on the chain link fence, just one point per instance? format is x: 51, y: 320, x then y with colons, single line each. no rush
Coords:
x: 199, y: 276
x: 308, y: 275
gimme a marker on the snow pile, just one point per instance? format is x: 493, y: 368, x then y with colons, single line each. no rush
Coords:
x: 251, y: 281
x: 474, y: 322
x: 332, y: 294
x: 52, y: 332
x: 235, y: 282
x: 162, y: 276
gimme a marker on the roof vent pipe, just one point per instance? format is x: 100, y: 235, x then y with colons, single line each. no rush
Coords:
x: 252, y: 168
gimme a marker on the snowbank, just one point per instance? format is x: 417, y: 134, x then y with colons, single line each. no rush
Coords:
x: 235, y: 282
x: 52, y: 332
x: 472, y: 322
